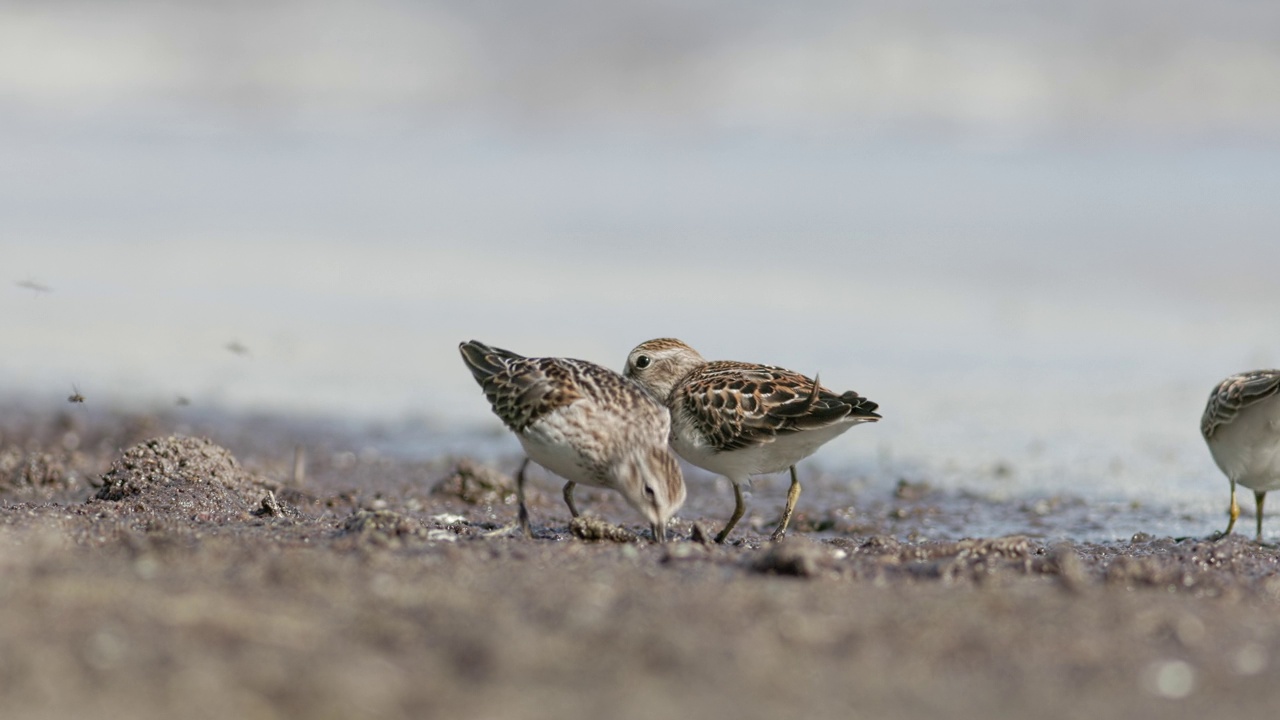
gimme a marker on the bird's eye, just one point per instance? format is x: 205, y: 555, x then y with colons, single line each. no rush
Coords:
x: 642, y: 362
x: 649, y: 493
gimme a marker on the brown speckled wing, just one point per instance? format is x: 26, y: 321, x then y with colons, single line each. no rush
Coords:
x: 739, y: 405
x: 521, y: 389
x: 1234, y: 394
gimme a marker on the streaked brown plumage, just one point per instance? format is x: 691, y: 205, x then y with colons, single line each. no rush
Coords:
x: 585, y: 423
x: 742, y: 419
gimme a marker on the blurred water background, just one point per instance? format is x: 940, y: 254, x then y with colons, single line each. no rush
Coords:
x: 1037, y: 234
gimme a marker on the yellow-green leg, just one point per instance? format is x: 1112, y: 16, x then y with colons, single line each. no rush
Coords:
x: 1259, y: 496
x: 568, y: 497
x: 738, y: 510
x: 1235, y: 511
x: 524, y: 511
x: 793, y: 495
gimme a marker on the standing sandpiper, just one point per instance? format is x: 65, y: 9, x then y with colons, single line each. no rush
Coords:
x: 742, y: 419
x: 1241, y: 423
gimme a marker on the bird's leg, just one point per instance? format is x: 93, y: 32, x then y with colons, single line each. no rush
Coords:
x: 1235, y: 511
x: 738, y: 510
x: 568, y: 497
x: 793, y: 495
x: 1259, y: 496
x: 524, y: 511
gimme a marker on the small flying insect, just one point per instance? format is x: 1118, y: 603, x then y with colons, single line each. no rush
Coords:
x: 34, y: 286
x: 75, y: 396
x: 237, y: 348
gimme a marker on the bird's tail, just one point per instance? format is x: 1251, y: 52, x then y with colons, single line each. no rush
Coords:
x: 861, y: 407
x: 485, y: 361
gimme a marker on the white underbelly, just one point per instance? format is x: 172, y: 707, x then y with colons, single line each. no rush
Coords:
x: 738, y: 465
x: 1248, y: 449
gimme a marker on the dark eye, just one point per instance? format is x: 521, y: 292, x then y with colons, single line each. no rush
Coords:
x: 642, y: 362
x: 649, y: 493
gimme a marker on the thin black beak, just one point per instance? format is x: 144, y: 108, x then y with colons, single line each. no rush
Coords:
x: 660, y: 532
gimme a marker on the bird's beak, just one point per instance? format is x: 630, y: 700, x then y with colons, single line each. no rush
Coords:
x: 660, y: 532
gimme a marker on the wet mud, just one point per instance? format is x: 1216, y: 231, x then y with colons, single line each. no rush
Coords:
x: 156, y: 567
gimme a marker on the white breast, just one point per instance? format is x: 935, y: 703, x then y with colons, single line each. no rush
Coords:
x: 1248, y: 448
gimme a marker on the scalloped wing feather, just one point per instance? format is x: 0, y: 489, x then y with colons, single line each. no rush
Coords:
x: 521, y: 389
x: 740, y: 405
x: 1235, y: 394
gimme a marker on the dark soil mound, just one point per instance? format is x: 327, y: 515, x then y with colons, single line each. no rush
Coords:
x: 183, y: 477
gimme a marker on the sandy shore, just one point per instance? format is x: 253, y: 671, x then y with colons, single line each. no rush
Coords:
x: 145, y: 575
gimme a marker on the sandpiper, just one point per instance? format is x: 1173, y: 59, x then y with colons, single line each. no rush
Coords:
x: 587, y: 424
x: 1241, y: 423
x: 742, y: 419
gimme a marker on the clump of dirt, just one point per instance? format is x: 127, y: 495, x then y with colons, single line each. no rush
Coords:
x: 1063, y: 561
x: 383, y: 528
x: 587, y: 528
x: 179, y: 476
x: 475, y: 484
x: 911, y: 491
x: 272, y: 507
x: 796, y: 558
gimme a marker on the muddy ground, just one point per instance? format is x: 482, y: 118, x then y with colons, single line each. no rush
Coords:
x: 148, y: 573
